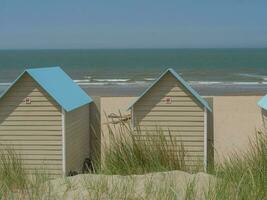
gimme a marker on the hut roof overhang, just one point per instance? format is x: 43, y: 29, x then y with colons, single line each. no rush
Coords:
x: 263, y: 102
x: 201, y: 100
x: 58, y: 85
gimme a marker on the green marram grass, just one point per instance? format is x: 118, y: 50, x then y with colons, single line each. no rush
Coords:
x: 16, y: 183
x: 135, y: 152
x: 241, y: 177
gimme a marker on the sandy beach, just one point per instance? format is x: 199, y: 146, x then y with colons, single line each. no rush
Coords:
x: 236, y: 120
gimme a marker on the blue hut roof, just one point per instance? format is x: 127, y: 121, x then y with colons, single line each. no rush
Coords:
x: 59, y: 86
x: 183, y: 82
x: 263, y: 102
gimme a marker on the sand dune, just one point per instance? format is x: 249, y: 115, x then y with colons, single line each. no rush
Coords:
x: 148, y: 186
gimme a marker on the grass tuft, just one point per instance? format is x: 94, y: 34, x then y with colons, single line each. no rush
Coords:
x: 238, y: 177
x: 16, y: 183
x: 134, y: 152
x: 243, y: 176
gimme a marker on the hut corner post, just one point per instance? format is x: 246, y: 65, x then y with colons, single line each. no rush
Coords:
x: 132, y: 117
x: 63, y: 142
x: 205, y: 139
x: 263, y: 116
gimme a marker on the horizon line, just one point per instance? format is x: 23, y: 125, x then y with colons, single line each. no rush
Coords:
x: 139, y: 48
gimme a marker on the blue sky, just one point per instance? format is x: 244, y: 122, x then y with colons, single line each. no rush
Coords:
x: 48, y: 24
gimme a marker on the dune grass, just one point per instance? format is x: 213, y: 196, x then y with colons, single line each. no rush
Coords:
x: 241, y: 177
x: 16, y: 183
x: 135, y: 152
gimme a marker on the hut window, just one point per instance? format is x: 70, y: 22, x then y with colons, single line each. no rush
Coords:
x: 28, y: 100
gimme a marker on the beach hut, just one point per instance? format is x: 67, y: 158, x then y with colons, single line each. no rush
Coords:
x: 263, y: 104
x: 172, y: 106
x: 44, y: 118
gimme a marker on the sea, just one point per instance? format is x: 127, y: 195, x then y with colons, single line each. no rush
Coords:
x: 127, y: 72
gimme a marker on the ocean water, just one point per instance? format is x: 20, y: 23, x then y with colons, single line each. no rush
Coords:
x: 133, y: 67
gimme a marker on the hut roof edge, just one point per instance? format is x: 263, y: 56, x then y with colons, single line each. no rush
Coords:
x: 182, y: 81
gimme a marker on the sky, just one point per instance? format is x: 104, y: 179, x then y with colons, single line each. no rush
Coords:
x: 90, y: 24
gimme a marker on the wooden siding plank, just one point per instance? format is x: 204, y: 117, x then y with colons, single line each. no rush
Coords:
x: 31, y: 113
x: 29, y: 108
x: 192, y: 151
x: 190, y: 148
x: 183, y: 135
x: 33, y: 143
x: 26, y: 88
x: 153, y: 128
x: 33, y: 103
x: 51, y: 172
x: 78, y: 123
x: 30, y: 118
x: 194, y: 154
x: 30, y: 123
x: 172, y: 145
x: 168, y: 113
x: 31, y: 147
x: 38, y: 152
x: 39, y: 132
x: 175, y: 98
x: 29, y: 138
x: 170, y: 123
x: 161, y: 93
x: 170, y: 118
x: 45, y: 167
x: 40, y: 157
x: 35, y: 96
x: 30, y: 128
x: 167, y: 108
x: 42, y: 162
x: 172, y: 103
x: 174, y: 140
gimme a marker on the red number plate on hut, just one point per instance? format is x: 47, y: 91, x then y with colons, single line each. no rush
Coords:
x: 28, y: 100
x: 168, y: 100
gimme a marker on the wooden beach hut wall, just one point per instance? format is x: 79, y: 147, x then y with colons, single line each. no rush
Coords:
x: 263, y: 105
x: 44, y: 118
x: 171, y: 105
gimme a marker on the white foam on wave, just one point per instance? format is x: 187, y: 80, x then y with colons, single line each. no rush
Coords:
x: 5, y: 84
x: 113, y: 83
x: 246, y: 83
x: 112, y: 80
x: 149, y: 79
x: 206, y: 82
x: 129, y: 83
x: 263, y: 77
x: 103, y: 82
x: 95, y: 84
x: 227, y: 83
x: 81, y: 81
